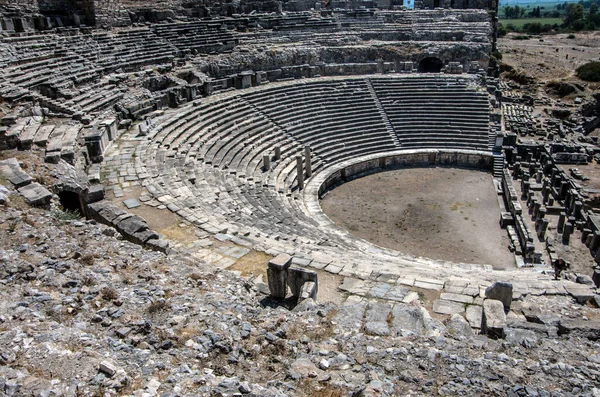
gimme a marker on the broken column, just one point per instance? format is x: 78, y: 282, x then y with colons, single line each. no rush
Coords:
x: 543, y: 228
x: 297, y: 278
x: 595, y: 241
x: 267, y: 162
x: 277, y: 152
x: 308, y: 160
x: 277, y: 275
x: 561, y: 221
x: 300, y: 172
x: 568, y: 229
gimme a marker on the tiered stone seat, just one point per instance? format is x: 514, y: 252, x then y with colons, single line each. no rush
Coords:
x: 198, y: 37
x: 435, y: 112
x: 205, y: 162
x: 336, y: 119
x: 127, y: 50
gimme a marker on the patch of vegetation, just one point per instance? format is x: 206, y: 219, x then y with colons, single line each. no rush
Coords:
x: 87, y: 259
x: 109, y: 294
x: 62, y: 214
x: 157, y: 307
x: 589, y: 71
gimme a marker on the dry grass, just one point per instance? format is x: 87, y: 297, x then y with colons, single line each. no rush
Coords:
x: 252, y: 264
x: 157, y: 307
x: 311, y: 388
x: 183, y: 235
x: 87, y: 259
x: 109, y: 294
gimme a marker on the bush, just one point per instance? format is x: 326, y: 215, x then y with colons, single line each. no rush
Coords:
x: 589, y: 71
x: 502, y: 30
x: 571, y: 36
x: 533, y: 28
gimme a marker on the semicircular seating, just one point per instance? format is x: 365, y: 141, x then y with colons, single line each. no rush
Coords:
x: 205, y: 162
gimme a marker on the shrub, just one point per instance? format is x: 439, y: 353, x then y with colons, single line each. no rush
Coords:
x: 109, y: 294
x: 65, y: 215
x: 589, y: 71
x: 571, y: 36
x: 502, y: 30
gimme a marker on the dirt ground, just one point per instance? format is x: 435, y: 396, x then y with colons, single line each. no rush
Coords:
x: 439, y: 213
x: 550, y: 57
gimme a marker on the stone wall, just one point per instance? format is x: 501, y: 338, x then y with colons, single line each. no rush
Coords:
x: 419, y: 158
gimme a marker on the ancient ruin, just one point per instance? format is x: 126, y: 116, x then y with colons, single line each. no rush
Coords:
x: 166, y: 182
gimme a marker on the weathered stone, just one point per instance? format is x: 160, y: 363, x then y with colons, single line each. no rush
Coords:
x: 297, y: 276
x: 589, y: 329
x: 523, y: 337
x: 35, y: 194
x: 277, y: 275
x: 493, y: 319
x: 448, y: 307
x: 458, y: 327
x: 308, y: 291
x: 107, y: 368
x: 502, y: 292
x: 474, y: 316
x: 580, y: 292
x: 376, y: 319
x: 407, y: 319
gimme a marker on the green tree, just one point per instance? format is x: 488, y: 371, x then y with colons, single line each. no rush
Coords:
x: 594, y: 9
x: 574, y: 13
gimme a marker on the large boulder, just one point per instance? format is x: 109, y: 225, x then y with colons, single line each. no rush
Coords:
x: 493, y: 319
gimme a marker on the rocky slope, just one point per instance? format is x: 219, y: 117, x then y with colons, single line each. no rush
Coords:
x: 84, y: 312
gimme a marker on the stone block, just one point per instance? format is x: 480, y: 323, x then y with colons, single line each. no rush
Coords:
x: 500, y: 291
x: 308, y: 291
x: 589, y: 329
x: 493, y: 319
x: 408, y: 319
x: 35, y: 194
x: 94, y: 194
x: 474, y: 316
x: 107, y: 368
x: 280, y: 262
x: 459, y: 328
x: 376, y: 319
x: 441, y: 306
x: 297, y: 276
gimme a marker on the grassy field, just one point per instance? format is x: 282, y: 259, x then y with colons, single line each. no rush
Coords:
x: 518, y: 23
x: 544, y: 7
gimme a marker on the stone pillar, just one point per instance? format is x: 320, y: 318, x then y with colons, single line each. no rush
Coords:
x: 267, y: 162
x: 308, y: 160
x: 277, y: 152
x: 584, y: 234
x: 543, y: 228
x: 561, y: 221
x: 568, y: 229
x: 300, y: 172
x: 516, y: 169
x: 542, y: 212
x: 595, y: 241
x: 538, y: 176
x: 577, y: 210
x: 563, y: 190
x: 277, y: 275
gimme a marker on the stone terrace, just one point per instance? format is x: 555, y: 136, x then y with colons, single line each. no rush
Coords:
x: 206, y: 163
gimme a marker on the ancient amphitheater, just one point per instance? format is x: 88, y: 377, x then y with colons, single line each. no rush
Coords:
x: 234, y: 121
